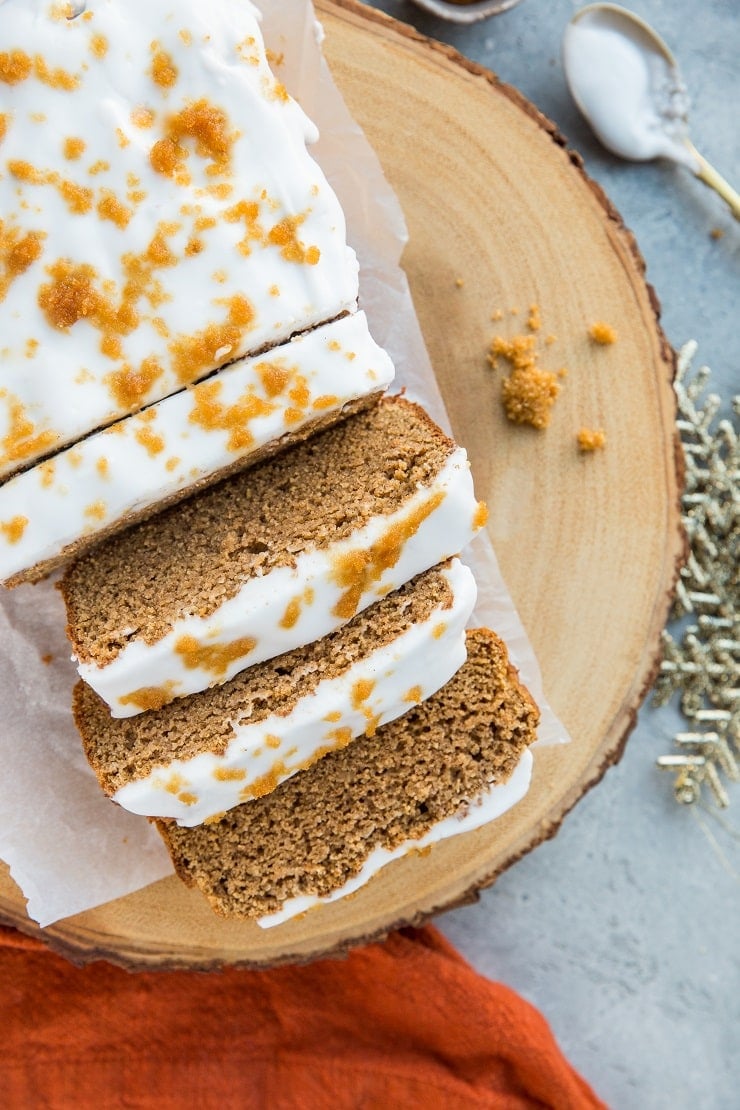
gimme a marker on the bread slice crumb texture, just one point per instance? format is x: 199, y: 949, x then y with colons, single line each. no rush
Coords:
x: 314, y: 832
x: 121, y: 750
x: 193, y: 558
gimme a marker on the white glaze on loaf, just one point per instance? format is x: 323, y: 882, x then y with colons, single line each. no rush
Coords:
x: 186, y: 438
x: 432, y: 525
x: 374, y: 689
x: 160, y: 214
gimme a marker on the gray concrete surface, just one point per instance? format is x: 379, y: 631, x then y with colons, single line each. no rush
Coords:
x: 624, y: 929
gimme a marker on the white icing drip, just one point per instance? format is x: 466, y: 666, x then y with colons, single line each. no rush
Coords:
x: 58, y: 376
x: 421, y: 656
x: 259, y: 606
x: 113, y: 473
x: 487, y: 807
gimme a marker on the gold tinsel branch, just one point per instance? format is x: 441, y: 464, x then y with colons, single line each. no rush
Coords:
x: 701, y: 653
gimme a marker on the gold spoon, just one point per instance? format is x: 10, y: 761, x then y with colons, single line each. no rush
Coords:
x: 627, y: 84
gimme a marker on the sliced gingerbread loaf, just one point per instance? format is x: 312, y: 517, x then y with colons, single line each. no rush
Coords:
x: 270, y: 559
x: 201, y: 755
x: 430, y: 774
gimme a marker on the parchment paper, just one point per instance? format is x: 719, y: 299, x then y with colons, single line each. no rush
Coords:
x: 68, y: 847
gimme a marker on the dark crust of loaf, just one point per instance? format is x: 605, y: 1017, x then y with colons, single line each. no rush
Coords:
x: 84, y: 544
x: 192, y: 558
x: 121, y: 750
x: 311, y: 834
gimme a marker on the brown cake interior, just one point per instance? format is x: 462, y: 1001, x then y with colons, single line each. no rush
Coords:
x: 193, y: 557
x: 124, y: 749
x: 82, y: 544
x: 312, y: 833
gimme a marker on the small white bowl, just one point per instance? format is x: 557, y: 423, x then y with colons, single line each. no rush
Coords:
x: 465, y: 13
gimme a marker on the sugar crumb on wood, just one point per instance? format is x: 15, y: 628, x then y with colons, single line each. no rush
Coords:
x: 602, y: 334
x: 590, y: 440
x: 528, y: 392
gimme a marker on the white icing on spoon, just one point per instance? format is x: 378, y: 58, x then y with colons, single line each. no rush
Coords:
x: 627, y: 84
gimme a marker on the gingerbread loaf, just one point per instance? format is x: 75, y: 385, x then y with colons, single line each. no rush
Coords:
x: 199, y: 756
x: 451, y: 764
x: 270, y: 559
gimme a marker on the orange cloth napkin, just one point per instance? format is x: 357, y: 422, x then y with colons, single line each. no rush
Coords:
x: 405, y: 1023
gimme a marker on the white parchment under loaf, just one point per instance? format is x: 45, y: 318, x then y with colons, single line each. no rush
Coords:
x: 69, y: 848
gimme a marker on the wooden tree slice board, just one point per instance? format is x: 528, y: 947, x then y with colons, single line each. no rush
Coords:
x: 589, y: 546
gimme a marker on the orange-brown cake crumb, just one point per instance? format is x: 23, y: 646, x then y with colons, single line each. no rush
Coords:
x: 534, y: 322
x: 603, y: 334
x: 529, y: 395
x: 529, y: 392
x: 716, y: 233
x: 591, y: 439
x: 519, y: 352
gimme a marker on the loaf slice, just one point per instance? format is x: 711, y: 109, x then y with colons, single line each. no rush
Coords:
x: 240, y: 415
x: 430, y: 774
x: 199, y: 756
x: 270, y: 559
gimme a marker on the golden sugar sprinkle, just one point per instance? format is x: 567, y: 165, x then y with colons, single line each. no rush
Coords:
x: 357, y: 571
x: 78, y: 198
x: 13, y: 529
x: 18, y: 252
x: 590, y: 440
x: 96, y: 510
x: 164, y: 72
x: 152, y: 697
x: 602, y: 334
x: 229, y: 774
x: 528, y: 392
x: 215, y: 658
x: 99, y: 46
x: 73, y: 148
x: 22, y: 439
x: 17, y: 66
x: 534, y: 322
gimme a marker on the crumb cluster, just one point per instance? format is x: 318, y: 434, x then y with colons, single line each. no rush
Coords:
x: 529, y: 391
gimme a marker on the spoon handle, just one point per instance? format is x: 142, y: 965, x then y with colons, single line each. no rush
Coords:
x: 707, y: 173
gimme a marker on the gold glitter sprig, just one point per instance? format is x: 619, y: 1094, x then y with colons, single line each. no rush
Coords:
x: 701, y: 660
